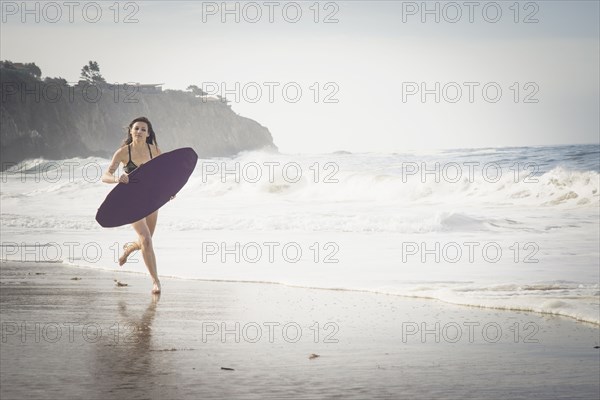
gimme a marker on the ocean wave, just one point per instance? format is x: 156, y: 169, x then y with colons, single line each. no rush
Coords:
x: 336, y: 178
x: 570, y: 299
x: 557, y: 187
x: 357, y: 193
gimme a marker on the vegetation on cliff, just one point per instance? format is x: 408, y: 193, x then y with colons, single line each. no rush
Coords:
x: 52, y: 119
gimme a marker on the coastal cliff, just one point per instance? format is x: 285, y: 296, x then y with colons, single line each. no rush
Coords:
x: 53, y: 120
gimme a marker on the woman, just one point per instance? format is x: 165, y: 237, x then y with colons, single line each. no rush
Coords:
x: 139, y: 147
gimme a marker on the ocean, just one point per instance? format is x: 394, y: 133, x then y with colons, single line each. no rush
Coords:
x: 510, y: 228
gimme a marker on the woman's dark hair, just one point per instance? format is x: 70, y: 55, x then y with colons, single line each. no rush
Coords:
x: 151, y: 139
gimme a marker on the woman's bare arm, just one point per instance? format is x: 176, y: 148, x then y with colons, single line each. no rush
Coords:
x: 108, y: 176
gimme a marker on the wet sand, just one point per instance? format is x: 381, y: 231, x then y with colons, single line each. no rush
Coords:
x: 88, y: 338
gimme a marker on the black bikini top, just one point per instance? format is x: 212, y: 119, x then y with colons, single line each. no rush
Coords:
x: 130, y: 167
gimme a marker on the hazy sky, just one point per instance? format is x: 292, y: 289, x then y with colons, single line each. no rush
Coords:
x: 504, y: 74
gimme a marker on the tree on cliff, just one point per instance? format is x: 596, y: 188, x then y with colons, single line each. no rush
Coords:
x: 29, y: 68
x: 33, y: 70
x: 223, y: 100
x: 7, y: 64
x: 196, y: 90
x: 91, y: 73
x: 60, y: 81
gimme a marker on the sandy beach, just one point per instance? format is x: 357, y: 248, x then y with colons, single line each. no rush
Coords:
x: 70, y: 332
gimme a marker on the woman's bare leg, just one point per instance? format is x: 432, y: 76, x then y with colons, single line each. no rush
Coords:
x: 151, y: 221
x: 145, y: 241
x: 128, y: 248
x: 133, y: 246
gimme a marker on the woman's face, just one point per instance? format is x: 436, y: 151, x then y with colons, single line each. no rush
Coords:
x: 139, y: 131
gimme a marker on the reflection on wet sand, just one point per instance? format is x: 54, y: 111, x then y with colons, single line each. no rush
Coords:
x: 125, y: 358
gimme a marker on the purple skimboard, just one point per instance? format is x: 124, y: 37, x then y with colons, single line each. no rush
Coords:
x: 150, y: 186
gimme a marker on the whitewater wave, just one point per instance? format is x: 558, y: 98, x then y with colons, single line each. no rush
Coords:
x: 342, y: 179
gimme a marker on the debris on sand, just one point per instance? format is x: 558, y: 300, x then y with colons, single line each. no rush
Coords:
x: 172, y: 349
x: 227, y: 369
x: 313, y: 355
x: 76, y: 278
x: 120, y: 284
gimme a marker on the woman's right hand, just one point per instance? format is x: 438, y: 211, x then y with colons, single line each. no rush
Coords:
x: 123, y: 179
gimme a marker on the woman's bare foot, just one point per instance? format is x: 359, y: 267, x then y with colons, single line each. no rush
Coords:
x: 156, y: 287
x: 128, y: 248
